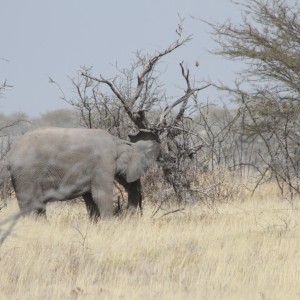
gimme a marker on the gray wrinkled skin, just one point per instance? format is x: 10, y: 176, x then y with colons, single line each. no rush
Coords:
x: 55, y: 164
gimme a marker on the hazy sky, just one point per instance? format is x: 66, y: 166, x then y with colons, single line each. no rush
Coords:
x: 54, y: 38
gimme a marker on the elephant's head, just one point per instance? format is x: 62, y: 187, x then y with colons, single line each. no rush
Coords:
x: 135, y: 158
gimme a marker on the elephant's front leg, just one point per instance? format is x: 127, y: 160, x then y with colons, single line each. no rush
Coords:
x: 102, y: 194
x: 134, y: 190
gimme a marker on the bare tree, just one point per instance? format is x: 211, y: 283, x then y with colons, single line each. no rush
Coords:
x: 136, y: 100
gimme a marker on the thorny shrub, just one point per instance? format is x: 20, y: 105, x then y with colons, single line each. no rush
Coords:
x: 209, y: 188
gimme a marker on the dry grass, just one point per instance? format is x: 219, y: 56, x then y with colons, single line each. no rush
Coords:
x: 248, y: 249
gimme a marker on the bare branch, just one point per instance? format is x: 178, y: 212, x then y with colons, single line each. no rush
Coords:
x: 185, y: 97
x: 150, y: 64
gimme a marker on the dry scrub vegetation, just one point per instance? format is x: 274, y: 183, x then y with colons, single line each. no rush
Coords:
x: 246, y: 249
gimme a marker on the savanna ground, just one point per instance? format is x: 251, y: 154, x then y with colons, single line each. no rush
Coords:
x: 246, y: 249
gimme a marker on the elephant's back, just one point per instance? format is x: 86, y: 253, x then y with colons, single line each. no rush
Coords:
x: 57, y: 144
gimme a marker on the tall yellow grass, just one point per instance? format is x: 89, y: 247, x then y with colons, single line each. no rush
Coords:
x: 247, y: 249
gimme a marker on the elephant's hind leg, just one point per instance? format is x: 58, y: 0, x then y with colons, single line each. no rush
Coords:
x: 91, y: 207
x: 29, y: 197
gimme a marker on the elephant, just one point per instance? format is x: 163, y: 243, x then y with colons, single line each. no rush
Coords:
x: 56, y: 164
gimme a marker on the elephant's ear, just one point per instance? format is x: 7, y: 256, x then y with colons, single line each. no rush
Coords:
x: 144, y: 153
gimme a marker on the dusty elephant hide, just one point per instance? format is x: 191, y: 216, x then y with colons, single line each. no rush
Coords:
x: 55, y: 164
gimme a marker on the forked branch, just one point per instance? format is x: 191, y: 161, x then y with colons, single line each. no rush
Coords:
x: 138, y: 115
